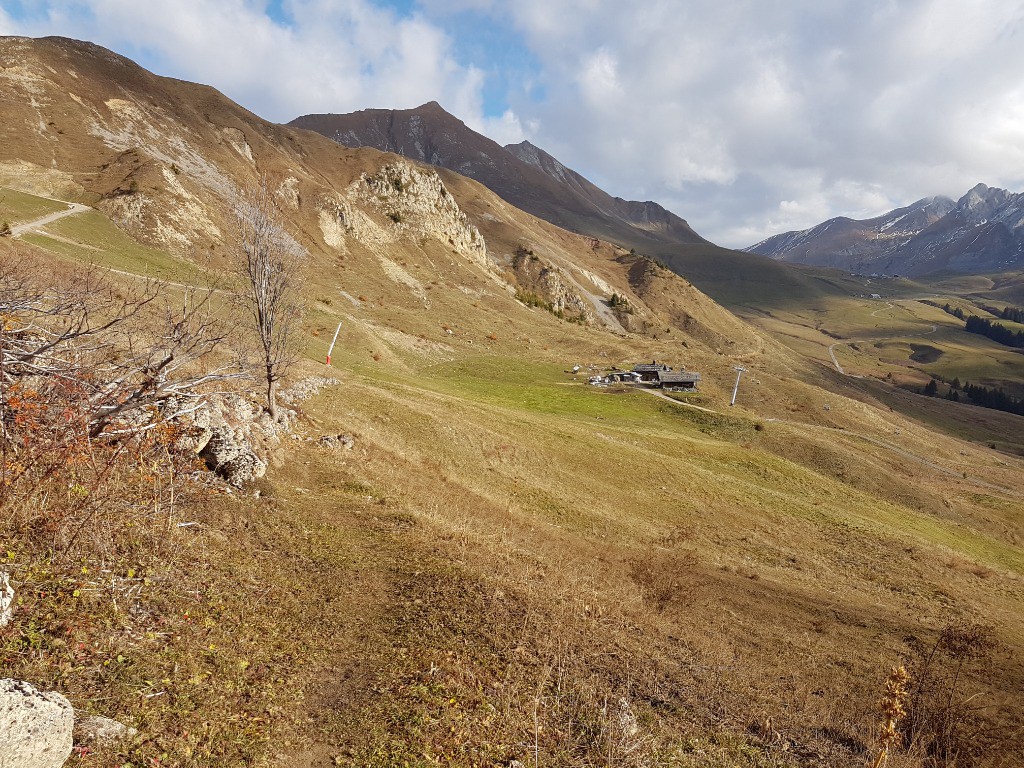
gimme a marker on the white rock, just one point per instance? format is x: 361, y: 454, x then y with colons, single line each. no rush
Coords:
x: 242, y: 469
x: 96, y: 729
x: 35, y: 727
x: 6, y: 599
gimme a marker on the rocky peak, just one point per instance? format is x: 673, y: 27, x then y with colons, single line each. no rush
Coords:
x: 537, y: 157
x: 435, y: 108
x: 983, y: 203
x: 937, y: 204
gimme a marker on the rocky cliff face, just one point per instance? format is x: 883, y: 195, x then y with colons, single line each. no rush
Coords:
x: 983, y: 232
x: 418, y: 201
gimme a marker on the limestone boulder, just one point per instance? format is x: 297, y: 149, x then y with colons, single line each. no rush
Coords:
x: 243, y: 469
x: 35, y: 728
x: 336, y: 442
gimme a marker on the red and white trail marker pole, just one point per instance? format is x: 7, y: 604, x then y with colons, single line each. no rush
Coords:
x: 333, y: 342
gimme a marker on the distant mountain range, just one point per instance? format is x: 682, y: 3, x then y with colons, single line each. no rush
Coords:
x: 981, y: 233
x: 521, y: 174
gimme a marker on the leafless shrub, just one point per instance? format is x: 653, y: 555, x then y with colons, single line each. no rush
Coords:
x: 270, y: 267
x: 949, y: 694
x: 91, y: 376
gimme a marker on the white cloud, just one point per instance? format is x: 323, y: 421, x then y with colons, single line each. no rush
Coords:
x: 334, y: 55
x: 726, y: 111
x: 599, y: 80
x: 506, y: 129
x: 7, y: 26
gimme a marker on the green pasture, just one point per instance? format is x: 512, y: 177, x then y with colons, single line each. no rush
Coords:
x: 20, y: 207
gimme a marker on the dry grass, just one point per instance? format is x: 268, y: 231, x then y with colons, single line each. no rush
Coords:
x: 513, y: 566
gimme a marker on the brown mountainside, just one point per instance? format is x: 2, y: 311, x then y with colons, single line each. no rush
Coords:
x: 165, y: 159
x: 521, y: 174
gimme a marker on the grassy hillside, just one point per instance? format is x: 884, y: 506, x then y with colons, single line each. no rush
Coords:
x: 1007, y: 287
x: 905, y: 342
x: 512, y: 565
x: 745, y: 281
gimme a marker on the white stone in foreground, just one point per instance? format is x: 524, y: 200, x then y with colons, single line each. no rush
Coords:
x: 35, y: 727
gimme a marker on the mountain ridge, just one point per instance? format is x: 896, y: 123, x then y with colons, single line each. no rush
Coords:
x: 536, y: 182
x: 981, y: 232
x: 523, y: 174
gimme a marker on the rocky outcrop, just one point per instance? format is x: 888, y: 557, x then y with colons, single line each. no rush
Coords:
x: 35, y: 728
x: 230, y: 454
x: 418, y: 201
x: 306, y: 388
x: 337, y: 442
x: 230, y: 434
x: 233, y: 434
x: 539, y: 280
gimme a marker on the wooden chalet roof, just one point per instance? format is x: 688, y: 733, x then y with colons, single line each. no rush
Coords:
x: 678, y: 377
x: 650, y: 367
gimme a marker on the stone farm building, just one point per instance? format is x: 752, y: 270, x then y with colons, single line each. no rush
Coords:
x: 649, y: 371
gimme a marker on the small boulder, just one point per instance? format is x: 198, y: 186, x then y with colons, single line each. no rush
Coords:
x: 6, y: 600
x: 96, y: 729
x: 35, y: 727
x: 223, y: 446
x: 242, y: 469
x: 336, y: 442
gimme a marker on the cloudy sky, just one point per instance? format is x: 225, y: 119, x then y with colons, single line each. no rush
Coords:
x: 748, y: 118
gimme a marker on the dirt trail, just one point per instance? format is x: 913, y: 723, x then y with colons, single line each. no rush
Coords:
x: 73, y: 208
x: 663, y: 396
x: 889, y: 305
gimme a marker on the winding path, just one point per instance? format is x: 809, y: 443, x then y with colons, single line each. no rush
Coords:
x: 832, y: 347
x: 73, y: 208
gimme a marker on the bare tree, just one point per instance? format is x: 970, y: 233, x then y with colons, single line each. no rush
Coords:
x: 272, y: 273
